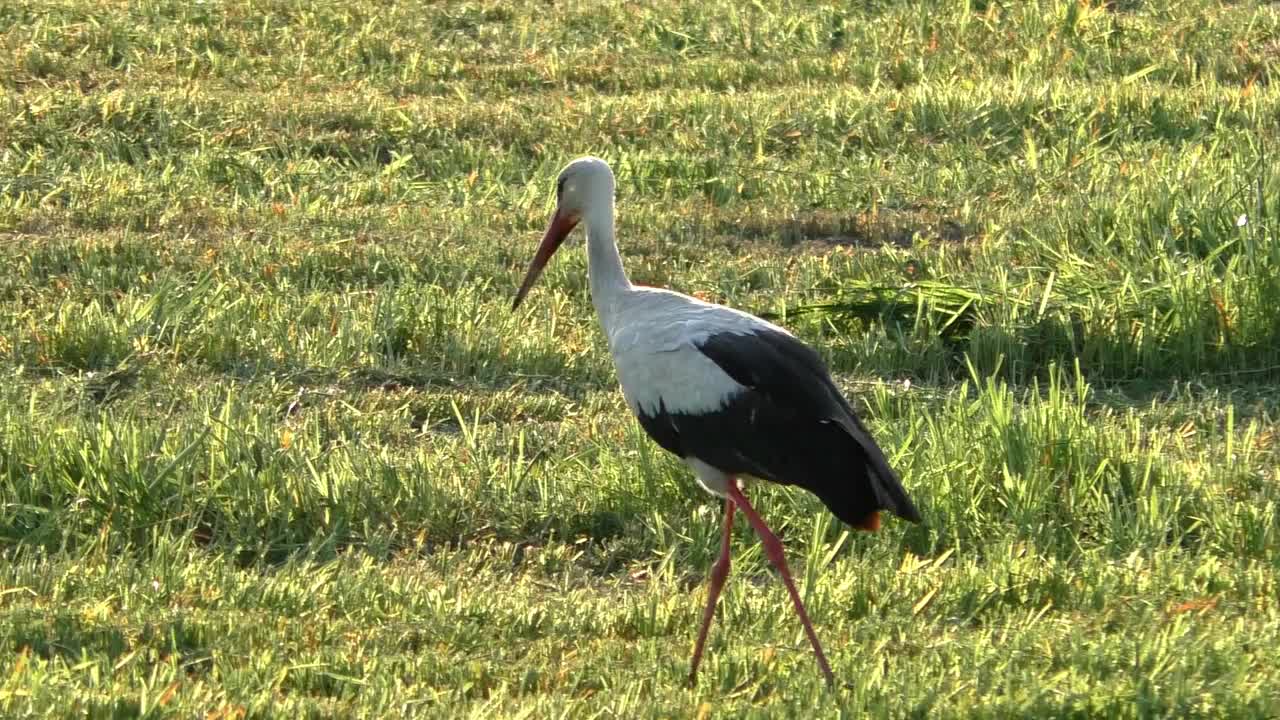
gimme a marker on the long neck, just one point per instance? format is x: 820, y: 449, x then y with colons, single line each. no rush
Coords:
x: 604, y: 265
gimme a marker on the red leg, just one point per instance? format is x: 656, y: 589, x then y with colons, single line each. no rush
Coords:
x: 719, y: 572
x: 773, y: 550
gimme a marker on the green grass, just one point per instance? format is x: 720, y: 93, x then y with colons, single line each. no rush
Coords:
x: 272, y: 445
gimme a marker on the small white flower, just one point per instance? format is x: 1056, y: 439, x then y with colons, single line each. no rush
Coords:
x: 1242, y: 221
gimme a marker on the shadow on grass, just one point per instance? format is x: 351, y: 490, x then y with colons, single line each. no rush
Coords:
x: 1145, y: 369
x: 896, y: 227
x: 1145, y: 346
x: 67, y: 636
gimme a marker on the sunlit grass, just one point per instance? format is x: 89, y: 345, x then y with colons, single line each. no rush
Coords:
x: 272, y: 443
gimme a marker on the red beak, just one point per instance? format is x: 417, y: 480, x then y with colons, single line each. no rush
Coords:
x: 557, y: 231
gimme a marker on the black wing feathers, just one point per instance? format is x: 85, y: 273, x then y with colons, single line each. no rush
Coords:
x: 794, y: 427
x: 661, y: 427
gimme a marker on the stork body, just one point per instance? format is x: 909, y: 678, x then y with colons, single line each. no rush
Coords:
x: 730, y: 394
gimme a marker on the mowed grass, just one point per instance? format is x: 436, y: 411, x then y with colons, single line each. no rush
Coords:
x: 273, y: 445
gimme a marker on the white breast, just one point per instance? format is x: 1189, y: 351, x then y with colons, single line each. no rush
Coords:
x: 653, y: 336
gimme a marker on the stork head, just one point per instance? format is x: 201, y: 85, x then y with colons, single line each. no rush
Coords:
x: 584, y: 186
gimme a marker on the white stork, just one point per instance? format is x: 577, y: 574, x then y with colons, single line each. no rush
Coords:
x: 731, y: 395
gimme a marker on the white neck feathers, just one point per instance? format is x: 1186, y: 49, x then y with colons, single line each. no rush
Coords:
x: 605, y: 273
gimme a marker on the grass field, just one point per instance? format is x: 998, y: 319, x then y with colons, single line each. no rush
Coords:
x: 273, y: 445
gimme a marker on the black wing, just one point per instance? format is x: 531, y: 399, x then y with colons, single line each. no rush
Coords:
x: 791, y: 426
